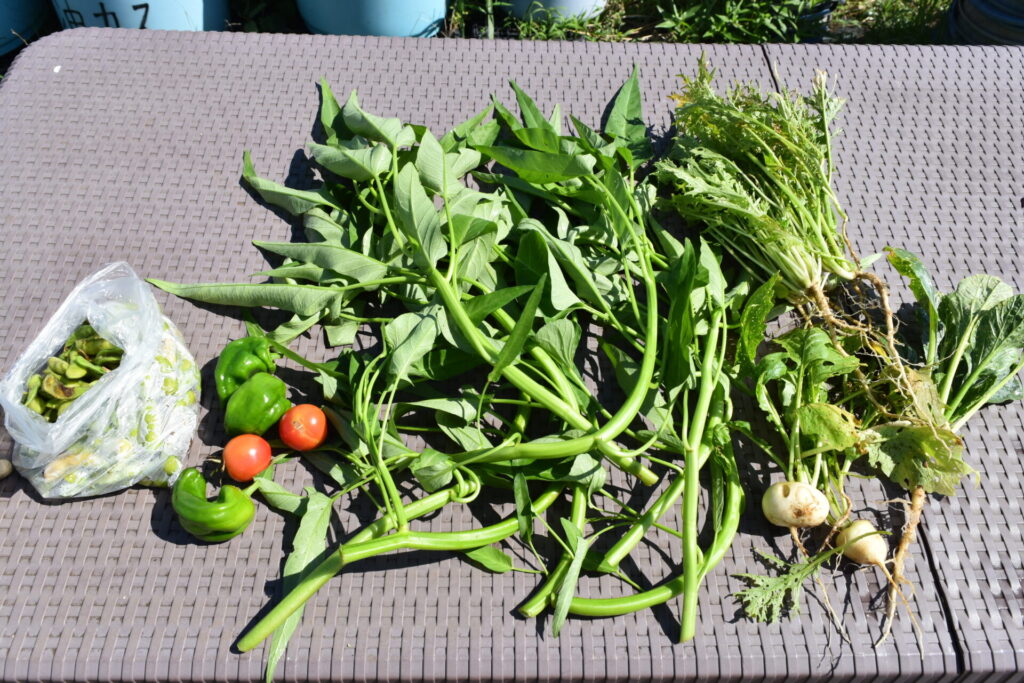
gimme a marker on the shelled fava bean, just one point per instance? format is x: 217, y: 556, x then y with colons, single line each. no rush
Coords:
x: 84, y: 359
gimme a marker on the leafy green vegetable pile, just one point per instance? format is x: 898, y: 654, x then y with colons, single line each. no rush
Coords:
x: 482, y: 294
x: 499, y: 264
x: 853, y: 386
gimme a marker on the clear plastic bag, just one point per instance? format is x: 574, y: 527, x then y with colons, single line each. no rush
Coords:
x: 135, y: 423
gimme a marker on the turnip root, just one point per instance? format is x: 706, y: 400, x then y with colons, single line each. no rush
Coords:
x: 866, y: 545
x: 794, y: 504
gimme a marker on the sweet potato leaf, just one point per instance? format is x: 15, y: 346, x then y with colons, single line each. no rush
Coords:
x: 410, y: 336
x: 490, y: 558
x: 540, y: 167
x: 309, y: 542
x: 626, y: 120
x: 357, y: 163
x: 371, y: 127
x: 295, y: 202
x: 433, y: 470
x: 513, y: 347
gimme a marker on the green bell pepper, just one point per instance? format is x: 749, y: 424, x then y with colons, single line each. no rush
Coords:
x: 256, y: 405
x: 240, y: 360
x: 215, y: 520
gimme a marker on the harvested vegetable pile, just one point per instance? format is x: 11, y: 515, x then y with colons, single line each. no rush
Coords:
x: 852, y: 387
x: 481, y: 298
x: 482, y: 260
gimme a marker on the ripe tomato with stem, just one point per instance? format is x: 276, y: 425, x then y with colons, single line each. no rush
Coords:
x: 303, y: 427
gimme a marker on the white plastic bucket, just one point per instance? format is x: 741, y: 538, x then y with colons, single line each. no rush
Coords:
x: 174, y: 15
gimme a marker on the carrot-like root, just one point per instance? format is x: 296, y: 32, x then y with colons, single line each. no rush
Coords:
x: 897, y: 578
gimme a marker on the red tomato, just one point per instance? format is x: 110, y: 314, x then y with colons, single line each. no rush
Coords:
x: 245, y: 456
x: 303, y: 428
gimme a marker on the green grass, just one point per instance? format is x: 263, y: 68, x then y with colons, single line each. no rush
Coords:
x: 681, y: 21
x: 482, y: 19
x: 891, y: 21
x: 612, y: 25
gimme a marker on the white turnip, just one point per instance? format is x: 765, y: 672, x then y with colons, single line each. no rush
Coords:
x: 794, y: 504
x: 863, y: 544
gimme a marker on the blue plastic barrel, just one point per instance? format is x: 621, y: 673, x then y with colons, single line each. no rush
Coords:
x: 21, y: 17
x: 987, y: 22
x: 173, y: 15
x: 555, y: 9
x: 419, y: 18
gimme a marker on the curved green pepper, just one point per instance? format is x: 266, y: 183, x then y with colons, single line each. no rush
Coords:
x: 215, y: 520
x: 240, y: 360
x: 256, y: 405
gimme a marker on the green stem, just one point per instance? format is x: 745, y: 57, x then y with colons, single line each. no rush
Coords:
x: 966, y: 385
x: 636, y: 514
x: 552, y: 402
x: 577, y: 515
x: 415, y: 509
x: 951, y: 409
x: 691, y: 492
x: 635, y: 534
x: 522, y: 417
x: 534, y: 450
x: 933, y: 337
x: 553, y: 372
x: 610, y: 607
x: 385, y: 473
x: 705, y: 417
x: 954, y: 362
x: 360, y: 549
x: 366, y: 205
x: 400, y: 239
